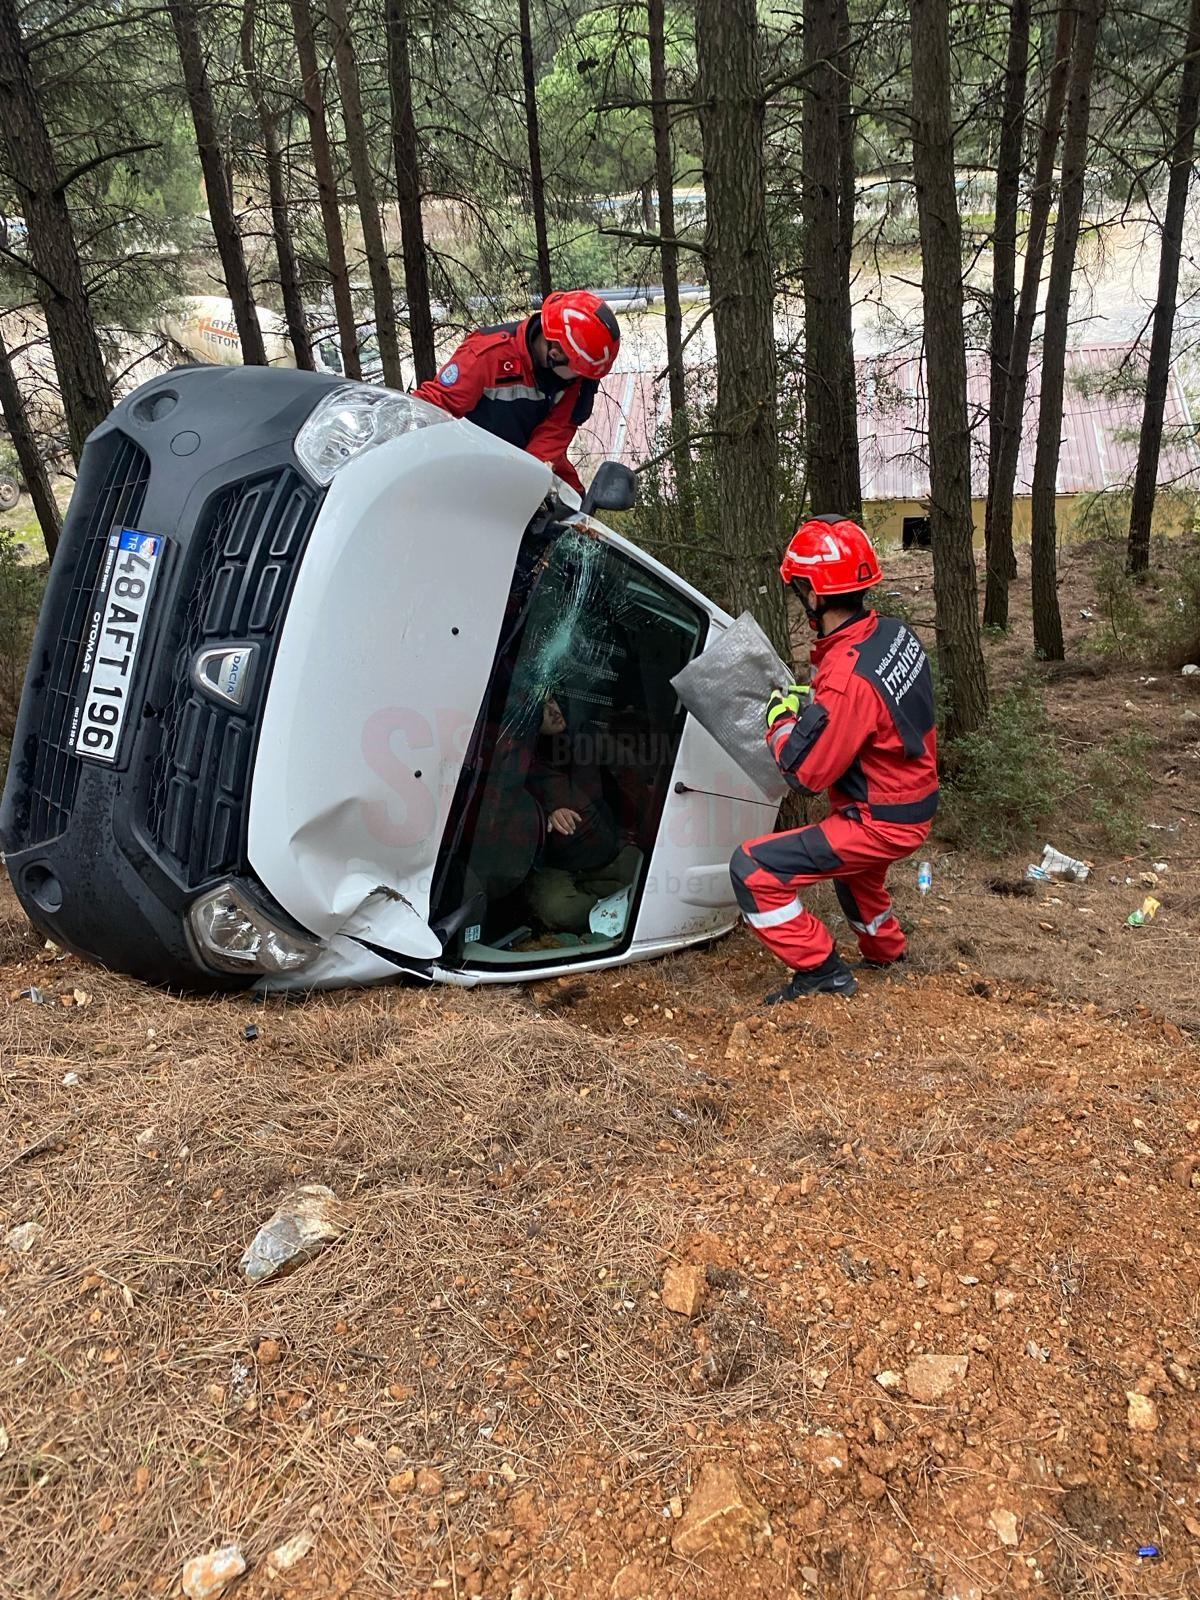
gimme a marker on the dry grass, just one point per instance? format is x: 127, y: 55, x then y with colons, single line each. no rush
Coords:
x: 517, y: 1180
x: 1070, y: 940
x: 1085, y: 1572
x: 492, y: 1304
x: 18, y: 941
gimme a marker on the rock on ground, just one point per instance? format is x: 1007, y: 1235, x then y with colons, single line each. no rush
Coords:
x: 23, y: 1237
x: 289, y: 1554
x: 1142, y: 1416
x: 928, y: 1378
x: 1005, y: 1524
x: 828, y: 1453
x: 722, y: 1514
x: 310, y: 1218
x: 208, y: 1576
x: 633, y: 1582
x: 683, y: 1289
x: 741, y: 1042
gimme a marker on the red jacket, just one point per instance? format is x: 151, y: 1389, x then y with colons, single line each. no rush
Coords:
x: 491, y: 380
x: 868, y: 733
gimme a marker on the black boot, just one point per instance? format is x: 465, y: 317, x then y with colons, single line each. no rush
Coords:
x: 833, y: 976
x: 867, y: 965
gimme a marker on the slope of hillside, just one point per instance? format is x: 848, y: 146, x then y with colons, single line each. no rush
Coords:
x: 645, y: 1291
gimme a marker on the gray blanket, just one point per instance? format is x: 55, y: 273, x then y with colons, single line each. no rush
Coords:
x: 726, y: 690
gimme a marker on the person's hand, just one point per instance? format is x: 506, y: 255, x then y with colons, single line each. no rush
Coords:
x: 564, y: 820
x: 786, y: 702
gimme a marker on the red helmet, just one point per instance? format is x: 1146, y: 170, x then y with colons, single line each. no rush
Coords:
x: 833, y: 554
x: 586, y: 329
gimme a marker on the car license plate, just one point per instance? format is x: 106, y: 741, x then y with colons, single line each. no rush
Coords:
x: 110, y: 646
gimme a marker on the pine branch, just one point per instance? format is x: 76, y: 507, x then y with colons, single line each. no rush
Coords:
x: 98, y: 161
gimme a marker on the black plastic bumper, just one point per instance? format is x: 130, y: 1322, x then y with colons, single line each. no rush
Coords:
x: 106, y: 859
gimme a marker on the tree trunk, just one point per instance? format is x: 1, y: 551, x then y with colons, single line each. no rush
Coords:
x: 408, y: 192
x: 646, y: 197
x: 664, y: 168
x: 216, y: 182
x: 1002, y: 471
x: 960, y: 658
x: 1004, y: 279
x: 33, y: 469
x: 313, y: 96
x: 285, y: 252
x: 30, y: 163
x: 829, y: 405
x: 1043, y: 564
x: 364, y: 191
x: 746, y: 446
x: 537, y: 187
x: 847, y: 208
x: 1158, y: 374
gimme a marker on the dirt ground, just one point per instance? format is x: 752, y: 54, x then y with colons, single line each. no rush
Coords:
x: 479, y: 1389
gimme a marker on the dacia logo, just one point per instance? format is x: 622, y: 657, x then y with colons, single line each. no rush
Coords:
x: 225, y: 673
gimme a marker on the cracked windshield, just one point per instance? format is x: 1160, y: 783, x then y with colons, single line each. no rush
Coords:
x: 578, y: 743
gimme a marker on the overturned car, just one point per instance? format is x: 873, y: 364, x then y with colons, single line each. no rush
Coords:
x: 329, y: 687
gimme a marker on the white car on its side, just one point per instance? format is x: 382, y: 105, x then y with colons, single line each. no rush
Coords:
x: 287, y: 688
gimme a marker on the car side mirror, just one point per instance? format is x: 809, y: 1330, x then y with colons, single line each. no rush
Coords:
x: 614, y: 488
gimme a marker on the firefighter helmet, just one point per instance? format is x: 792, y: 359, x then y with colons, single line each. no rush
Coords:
x: 586, y: 329
x: 833, y: 554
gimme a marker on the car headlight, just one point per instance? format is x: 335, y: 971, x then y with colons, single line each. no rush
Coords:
x: 233, y: 934
x: 355, y: 418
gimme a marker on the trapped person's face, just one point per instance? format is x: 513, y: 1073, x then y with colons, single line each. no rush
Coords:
x: 553, y: 720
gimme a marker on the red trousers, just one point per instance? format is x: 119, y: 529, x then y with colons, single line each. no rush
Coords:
x: 855, y: 854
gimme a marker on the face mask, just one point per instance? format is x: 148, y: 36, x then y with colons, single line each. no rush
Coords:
x: 564, y: 371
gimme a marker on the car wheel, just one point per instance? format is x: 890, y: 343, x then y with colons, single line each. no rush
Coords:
x: 10, y: 492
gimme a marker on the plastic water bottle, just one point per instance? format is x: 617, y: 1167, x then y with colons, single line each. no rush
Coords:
x: 925, y: 877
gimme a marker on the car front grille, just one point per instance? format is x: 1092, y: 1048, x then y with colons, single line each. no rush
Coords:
x: 54, y: 767
x: 251, y: 539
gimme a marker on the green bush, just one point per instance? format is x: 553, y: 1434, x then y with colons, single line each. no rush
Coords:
x: 1151, y: 621
x: 1003, y: 781
x: 1116, y: 781
x: 1104, y: 513
x: 1181, y: 624
x: 1125, y: 632
x: 21, y: 586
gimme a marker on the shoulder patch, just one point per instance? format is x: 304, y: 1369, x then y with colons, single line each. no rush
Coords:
x: 449, y: 374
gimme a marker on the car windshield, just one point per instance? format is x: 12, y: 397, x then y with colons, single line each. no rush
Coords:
x: 557, y: 811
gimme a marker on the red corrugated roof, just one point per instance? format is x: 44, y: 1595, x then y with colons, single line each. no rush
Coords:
x: 1102, y: 416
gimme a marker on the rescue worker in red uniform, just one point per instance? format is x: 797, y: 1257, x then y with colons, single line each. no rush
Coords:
x: 533, y: 382
x: 865, y: 731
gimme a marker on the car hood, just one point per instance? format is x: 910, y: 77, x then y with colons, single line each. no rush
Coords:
x: 384, y: 656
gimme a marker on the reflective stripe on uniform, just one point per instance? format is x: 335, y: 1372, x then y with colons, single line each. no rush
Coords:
x: 777, y: 735
x: 871, y: 928
x: 514, y: 391
x: 775, y: 918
